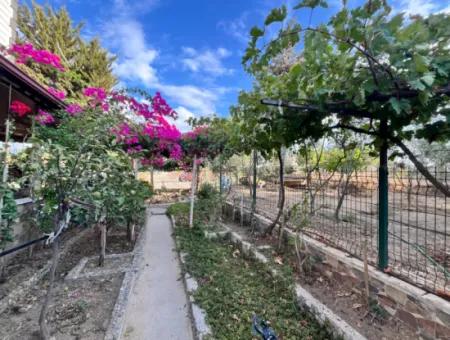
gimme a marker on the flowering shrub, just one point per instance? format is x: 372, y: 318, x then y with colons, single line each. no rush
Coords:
x: 25, y: 52
x: 44, y: 118
x: 74, y: 109
x: 159, y: 105
x: 20, y: 108
x: 155, y: 141
x: 57, y: 93
x: 96, y: 93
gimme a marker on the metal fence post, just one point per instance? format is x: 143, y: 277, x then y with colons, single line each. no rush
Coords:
x: 383, y: 187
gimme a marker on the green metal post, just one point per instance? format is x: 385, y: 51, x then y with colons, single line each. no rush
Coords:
x: 383, y: 187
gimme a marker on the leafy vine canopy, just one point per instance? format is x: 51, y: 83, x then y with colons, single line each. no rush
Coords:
x: 364, y: 65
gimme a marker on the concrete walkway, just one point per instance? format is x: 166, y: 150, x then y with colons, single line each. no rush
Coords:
x: 158, y: 304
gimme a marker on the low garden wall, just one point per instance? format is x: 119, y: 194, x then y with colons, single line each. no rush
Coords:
x: 425, y: 313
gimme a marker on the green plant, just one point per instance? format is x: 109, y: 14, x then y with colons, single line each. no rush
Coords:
x: 233, y: 288
x: 207, y: 191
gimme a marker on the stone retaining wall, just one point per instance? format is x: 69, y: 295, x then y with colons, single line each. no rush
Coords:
x: 425, y: 313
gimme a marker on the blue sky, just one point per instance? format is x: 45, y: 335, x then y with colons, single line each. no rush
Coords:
x: 191, y: 51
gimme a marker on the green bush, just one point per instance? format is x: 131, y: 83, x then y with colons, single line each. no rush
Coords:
x: 181, y: 213
x: 207, y: 191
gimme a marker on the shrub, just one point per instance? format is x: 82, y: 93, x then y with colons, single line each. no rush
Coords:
x: 207, y: 191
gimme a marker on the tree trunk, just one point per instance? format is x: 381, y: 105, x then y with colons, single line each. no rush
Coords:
x: 193, y: 187
x: 45, y: 333
x: 421, y: 168
x: 60, y: 223
x: 101, y: 259
x: 281, y: 234
x: 342, y: 197
x: 282, y: 196
x: 131, y: 233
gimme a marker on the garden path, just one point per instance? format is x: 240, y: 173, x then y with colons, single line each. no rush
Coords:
x: 158, y: 304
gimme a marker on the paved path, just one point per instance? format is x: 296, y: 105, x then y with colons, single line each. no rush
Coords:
x: 158, y: 304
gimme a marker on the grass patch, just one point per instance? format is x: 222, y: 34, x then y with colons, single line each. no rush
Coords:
x: 180, y: 211
x: 232, y: 289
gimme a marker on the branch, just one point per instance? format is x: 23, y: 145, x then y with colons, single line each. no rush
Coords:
x: 329, y: 107
x: 354, y: 129
x: 420, y: 167
x: 360, y: 49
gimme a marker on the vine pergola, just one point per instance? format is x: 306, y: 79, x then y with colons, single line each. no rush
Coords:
x: 364, y: 71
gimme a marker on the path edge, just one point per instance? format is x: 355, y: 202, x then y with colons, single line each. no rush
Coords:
x: 117, y: 322
x: 197, y: 315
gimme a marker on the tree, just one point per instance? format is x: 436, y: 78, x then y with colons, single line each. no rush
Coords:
x: 85, y: 63
x: 374, y: 73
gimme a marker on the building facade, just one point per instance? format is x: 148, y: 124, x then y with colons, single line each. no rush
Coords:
x: 8, y: 16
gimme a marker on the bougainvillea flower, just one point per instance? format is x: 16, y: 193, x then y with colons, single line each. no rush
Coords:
x: 19, y: 108
x: 44, y: 118
x: 57, y: 93
x: 96, y: 93
x: 26, y: 52
x: 74, y: 109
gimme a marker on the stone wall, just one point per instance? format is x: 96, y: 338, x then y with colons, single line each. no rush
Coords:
x: 425, y: 313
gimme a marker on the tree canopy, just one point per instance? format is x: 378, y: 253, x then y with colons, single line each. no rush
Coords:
x: 365, y: 66
x: 86, y: 63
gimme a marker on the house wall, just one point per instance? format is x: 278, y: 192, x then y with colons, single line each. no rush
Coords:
x: 8, y: 15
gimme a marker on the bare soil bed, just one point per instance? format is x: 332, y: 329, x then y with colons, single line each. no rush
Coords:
x: 81, y: 309
x: 168, y: 196
x: 348, y: 304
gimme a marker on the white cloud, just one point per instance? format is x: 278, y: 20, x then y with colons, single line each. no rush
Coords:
x: 183, y: 115
x: 197, y: 99
x: 135, y: 60
x: 237, y: 28
x: 208, y: 61
x: 421, y: 7
x: 129, y: 7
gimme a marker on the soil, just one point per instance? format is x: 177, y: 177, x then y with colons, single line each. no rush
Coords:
x: 81, y: 309
x: 348, y: 304
x: 168, y: 196
x: 110, y: 264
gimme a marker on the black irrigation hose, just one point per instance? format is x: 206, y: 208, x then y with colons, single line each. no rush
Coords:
x: 12, y: 250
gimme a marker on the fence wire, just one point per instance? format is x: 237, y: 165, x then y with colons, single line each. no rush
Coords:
x: 343, y: 213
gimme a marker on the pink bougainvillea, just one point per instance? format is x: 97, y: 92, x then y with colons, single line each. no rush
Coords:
x: 44, y: 118
x: 74, y: 109
x: 20, y: 108
x: 159, y: 105
x: 25, y: 52
x: 57, y: 93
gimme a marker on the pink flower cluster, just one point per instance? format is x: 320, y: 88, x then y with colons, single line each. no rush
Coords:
x: 74, y: 109
x: 97, y: 97
x: 159, y: 105
x: 44, y: 118
x: 20, y: 108
x: 25, y: 52
x: 57, y: 93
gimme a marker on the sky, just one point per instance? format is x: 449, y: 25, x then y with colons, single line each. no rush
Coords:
x: 191, y: 50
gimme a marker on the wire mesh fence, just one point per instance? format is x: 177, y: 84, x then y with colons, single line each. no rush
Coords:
x: 343, y: 213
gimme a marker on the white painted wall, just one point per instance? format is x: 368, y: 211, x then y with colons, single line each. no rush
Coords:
x: 7, y: 21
